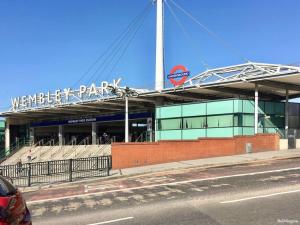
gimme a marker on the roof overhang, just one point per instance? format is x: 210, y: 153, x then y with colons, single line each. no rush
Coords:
x: 228, y: 82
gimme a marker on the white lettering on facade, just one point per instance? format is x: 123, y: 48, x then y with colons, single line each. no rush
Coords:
x: 93, y: 90
x: 82, y: 90
x: 66, y: 95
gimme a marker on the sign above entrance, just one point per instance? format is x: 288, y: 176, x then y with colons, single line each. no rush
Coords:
x: 65, y: 96
x: 174, y: 75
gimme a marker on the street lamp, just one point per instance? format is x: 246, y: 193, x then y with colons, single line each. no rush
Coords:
x: 124, y: 93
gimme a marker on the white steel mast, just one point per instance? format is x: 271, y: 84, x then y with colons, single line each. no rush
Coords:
x: 159, y: 66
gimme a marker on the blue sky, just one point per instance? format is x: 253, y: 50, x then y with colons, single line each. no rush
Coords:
x: 47, y: 45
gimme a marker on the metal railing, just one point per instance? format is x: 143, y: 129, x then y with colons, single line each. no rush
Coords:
x: 14, y: 147
x: 82, y: 142
x: 68, y: 170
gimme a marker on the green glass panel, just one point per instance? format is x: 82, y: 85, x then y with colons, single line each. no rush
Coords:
x: 269, y: 108
x: 248, y: 106
x: 169, y: 124
x: 194, y: 109
x: 170, y: 135
x: 248, y: 131
x: 220, y: 121
x: 157, y: 135
x: 220, y: 132
x: 237, y: 131
x: 220, y: 107
x: 274, y: 121
x: 238, y: 106
x: 248, y: 120
x: 194, y: 122
x: 193, y: 134
x: 261, y: 107
x: 170, y: 111
x: 157, y: 113
x: 260, y: 130
x: 279, y: 108
x: 237, y: 120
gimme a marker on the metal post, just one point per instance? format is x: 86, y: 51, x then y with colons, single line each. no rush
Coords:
x: 70, y: 170
x: 31, y: 135
x: 48, y: 168
x: 256, y: 110
x: 286, y: 112
x: 29, y: 175
x: 126, y: 120
x: 108, y: 166
x: 7, y: 138
x: 60, y: 135
x: 94, y: 133
x: 159, y: 71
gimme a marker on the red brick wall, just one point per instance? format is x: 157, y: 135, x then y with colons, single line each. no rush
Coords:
x: 125, y: 155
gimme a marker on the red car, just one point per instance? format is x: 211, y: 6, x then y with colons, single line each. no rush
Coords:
x: 13, y: 209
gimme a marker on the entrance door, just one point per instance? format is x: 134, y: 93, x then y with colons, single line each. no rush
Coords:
x: 292, y: 138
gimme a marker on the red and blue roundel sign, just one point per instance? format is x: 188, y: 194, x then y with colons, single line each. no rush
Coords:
x: 176, y: 72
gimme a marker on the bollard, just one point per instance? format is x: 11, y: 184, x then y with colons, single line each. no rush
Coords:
x: 248, y: 147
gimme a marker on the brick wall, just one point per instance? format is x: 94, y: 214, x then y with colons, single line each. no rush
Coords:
x: 125, y: 155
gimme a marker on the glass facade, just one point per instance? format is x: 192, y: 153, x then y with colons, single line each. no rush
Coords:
x: 224, y: 118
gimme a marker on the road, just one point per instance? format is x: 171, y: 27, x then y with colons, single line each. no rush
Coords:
x: 259, y: 193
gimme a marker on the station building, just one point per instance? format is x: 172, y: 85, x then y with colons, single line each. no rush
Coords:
x: 244, y: 99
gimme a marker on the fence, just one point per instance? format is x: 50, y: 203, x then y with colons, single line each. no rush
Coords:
x: 68, y: 170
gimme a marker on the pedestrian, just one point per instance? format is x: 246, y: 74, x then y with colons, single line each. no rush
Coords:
x: 19, y: 166
x: 29, y: 156
x: 105, y: 138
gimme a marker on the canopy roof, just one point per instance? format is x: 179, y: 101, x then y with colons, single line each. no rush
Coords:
x: 236, y: 81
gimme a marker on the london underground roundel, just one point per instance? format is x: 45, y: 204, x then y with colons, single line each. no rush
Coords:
x: 177, y: 72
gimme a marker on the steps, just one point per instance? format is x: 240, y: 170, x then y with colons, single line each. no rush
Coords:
x: 48, y: 153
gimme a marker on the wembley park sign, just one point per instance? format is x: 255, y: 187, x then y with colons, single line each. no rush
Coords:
x: 65, y: 96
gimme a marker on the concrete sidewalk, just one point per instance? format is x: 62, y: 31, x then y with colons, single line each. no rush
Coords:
x: 211, y: 162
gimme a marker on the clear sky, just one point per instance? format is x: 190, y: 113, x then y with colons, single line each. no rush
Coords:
x: 47, y: 45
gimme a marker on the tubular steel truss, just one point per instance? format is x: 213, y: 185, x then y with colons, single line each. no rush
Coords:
x: 241, y: 72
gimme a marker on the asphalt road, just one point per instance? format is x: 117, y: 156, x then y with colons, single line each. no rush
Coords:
x: 254, y: 194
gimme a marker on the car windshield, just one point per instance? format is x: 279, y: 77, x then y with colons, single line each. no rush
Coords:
x: 6, y: 188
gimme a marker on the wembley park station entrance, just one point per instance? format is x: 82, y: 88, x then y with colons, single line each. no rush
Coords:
x: 244, y: 99
x: 92, y: 130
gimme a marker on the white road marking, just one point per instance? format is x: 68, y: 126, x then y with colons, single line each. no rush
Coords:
x: 112, y: 221
x: 164, y: 184
x: 260, y: 196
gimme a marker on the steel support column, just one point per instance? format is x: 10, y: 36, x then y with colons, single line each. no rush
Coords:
x: 60, y: 135
x: 286, y: 113
x: 31, y: 135
x: 256, y: 109
x: 94, y: 133
x: 7, y: 137
x: 126, y: 120
x: 159, y: 65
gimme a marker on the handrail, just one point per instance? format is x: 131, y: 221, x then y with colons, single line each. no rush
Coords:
x: 49, y: 150
x: 14, y: 147
x: 83, y: 141
x: 51, y: 142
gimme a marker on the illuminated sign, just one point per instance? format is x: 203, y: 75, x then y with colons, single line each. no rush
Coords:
x: 174, y: 75
x: 65, y: 96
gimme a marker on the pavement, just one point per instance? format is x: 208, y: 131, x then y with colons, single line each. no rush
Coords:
x: 211, y: 162
x: 199, y: 163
